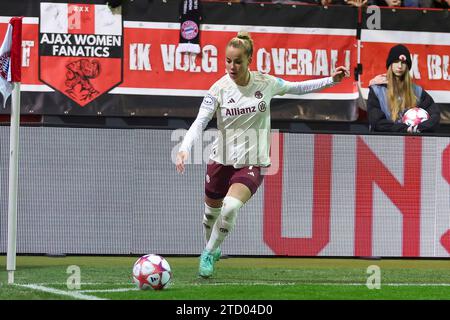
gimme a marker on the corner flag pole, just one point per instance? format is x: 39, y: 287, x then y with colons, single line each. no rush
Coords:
x: 14, y: 75
x: 13, y: 181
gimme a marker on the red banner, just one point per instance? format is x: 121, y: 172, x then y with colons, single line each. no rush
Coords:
x: 152, y: 60
x: 146, y: 66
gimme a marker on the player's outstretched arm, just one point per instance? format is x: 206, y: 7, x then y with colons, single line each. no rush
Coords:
x: 308, y: 86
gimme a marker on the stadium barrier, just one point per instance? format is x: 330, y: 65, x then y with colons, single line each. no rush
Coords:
x: 116, y: 191
x: 124, y: 63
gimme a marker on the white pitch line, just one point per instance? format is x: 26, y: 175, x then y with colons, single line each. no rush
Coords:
x: 185, y: 285
x: 173, y: 284
x: 248, y: 284
x: 81, y: 283
x: 320, y: 284
x: 241, y: 284
x: 275, y: 284
x: 271, y: 284
x: 109, y: 290
x: 79, y: 294
x: 326, y: 284
x: 72, y: 294
x: 383, y: 284
x: 415, y: 284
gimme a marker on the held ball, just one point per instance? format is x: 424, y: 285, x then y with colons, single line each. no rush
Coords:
x: 415, y: 116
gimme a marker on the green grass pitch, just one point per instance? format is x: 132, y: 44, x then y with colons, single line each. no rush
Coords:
x: 235, y: 278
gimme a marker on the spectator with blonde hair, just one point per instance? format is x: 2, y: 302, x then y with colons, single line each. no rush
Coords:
x: 393, y: 93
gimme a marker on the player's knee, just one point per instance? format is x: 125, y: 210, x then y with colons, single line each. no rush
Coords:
x: 229, y: 213
x: 210, y: 216
x: 230, y: 207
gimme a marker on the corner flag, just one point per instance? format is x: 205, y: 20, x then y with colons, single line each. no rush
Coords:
x: 10, y: 74
x: 10, y: 58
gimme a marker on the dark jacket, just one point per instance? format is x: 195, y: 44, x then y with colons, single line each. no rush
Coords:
x: 378, y: 120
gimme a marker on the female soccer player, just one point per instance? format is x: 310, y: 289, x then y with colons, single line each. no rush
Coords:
x: 241, y: 101
x: 393, y: 93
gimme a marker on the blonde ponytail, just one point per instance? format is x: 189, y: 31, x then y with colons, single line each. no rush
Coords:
x: 243, y: 41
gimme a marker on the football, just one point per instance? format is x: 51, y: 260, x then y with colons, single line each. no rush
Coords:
x: 414, y: 116
x: 151, y: 272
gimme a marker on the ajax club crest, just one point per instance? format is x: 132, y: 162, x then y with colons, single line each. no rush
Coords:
x: 80, y: 49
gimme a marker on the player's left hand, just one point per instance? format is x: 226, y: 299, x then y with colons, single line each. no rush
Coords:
x: 340, y: 73
x: 181, y: 159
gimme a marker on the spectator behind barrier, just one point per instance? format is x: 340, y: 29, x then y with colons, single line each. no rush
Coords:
x: 393, y: 94
x: 361, y: 3
x: 282, y: 1
x: 356, y: 3
x: 444, y: 4
x: 405, y: 3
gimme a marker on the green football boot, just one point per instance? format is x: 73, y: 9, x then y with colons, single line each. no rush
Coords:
x: 217, y: 254
x: 206, y: 267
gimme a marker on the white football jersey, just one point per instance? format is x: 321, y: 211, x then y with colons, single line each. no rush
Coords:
x: 243, y: 117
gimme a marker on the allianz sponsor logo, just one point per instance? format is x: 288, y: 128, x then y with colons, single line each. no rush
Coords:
x: 239, y: 111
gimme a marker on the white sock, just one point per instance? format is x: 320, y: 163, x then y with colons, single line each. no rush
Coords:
x: 209, y: 218
x: 225, y: 222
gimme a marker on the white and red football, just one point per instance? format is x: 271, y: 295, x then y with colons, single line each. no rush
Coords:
x: 151, y: 272
x: 414, y: 116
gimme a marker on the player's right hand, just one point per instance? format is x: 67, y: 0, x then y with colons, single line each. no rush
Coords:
x: 181, y: 159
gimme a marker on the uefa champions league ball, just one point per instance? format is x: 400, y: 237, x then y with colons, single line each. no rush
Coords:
x: 151, y: 272
x: 414, y: 116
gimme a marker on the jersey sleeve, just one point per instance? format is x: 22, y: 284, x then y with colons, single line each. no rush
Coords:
x: 206, y: 112
x: 281, y: 87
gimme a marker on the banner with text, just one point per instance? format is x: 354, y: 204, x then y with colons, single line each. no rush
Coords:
x: 84, y: 58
